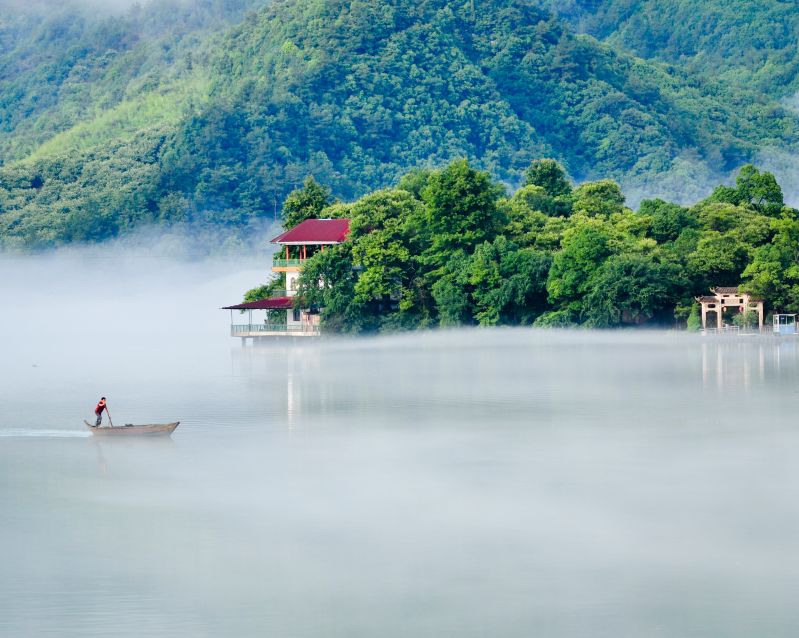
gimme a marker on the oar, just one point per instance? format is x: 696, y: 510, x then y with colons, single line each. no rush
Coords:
x: 109, y: 416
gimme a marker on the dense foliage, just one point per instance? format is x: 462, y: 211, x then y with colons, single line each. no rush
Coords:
x: 751, y: 45
x: 68, y: 66
x: 155, y: 116
x: 357, y: 93
x: 448, y: 247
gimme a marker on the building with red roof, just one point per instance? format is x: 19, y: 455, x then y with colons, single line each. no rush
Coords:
x: 297, y: 244
x: 315, y: 232
x: 305, y: 240
x: 270, y: 303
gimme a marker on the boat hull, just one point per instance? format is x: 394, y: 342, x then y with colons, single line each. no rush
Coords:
x: 152, y: 429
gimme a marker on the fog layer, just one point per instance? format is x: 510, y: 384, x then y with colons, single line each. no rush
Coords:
x: 466, y: 483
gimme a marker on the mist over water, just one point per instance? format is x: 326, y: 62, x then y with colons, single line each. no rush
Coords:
x: 465, y: 483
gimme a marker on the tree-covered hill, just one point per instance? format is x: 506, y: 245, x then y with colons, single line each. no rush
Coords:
x: 73, y: 75
x: 155, y: 116
x: 753, y: 45
x: 359, y: 92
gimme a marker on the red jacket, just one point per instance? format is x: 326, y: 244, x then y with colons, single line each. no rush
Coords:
x: 100, y: 407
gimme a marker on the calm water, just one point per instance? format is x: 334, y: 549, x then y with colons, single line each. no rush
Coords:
x: 475, y: 483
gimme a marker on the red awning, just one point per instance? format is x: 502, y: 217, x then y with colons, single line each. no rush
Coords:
x: 271, y: 303
x: 316, y: 231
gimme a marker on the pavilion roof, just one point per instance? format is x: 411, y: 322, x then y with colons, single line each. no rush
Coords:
x: 725, y: 290
x: 707, y: 298
x: 270, y: 303
x: 315, y: 231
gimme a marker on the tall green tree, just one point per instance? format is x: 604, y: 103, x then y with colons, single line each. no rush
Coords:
x: 462, y: 210
x: 668, y: 219
x: 385, y: 247
x: 450, y: 292
x: 585, y: 247
x: 760, y: 190
x: 773, y: 273
x: 305, y: 203
x: 598, y: 198
x: 631, y: 289
x: 719, y: 260
x: 327, y: 282
x: 549, y: 175
x: 509, y: 284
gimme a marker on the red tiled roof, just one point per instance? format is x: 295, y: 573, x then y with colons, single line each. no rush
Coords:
x: 270, y: 303
x: 316, y: 231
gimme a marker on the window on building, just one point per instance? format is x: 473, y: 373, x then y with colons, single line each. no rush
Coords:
x: 296, y: 314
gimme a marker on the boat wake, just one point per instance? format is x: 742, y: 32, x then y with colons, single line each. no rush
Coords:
x: 54, y: 434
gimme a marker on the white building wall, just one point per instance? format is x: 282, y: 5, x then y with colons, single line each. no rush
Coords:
x: 291, y: 283
x: 290, y: 318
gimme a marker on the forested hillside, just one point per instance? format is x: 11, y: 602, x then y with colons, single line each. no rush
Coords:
x: 72, y: 76
x: 171, y: 113
x: 750, y: 45
x: 357, y: 93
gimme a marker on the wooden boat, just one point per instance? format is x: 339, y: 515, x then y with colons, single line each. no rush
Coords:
x: 150, y: 429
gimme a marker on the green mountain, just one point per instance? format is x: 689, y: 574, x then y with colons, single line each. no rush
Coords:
x: 71, y: 79
x: 165, y: 114
x: 360, y: 92
x: 751, y: 45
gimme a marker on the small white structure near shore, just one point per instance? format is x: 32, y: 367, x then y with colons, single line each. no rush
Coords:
x: 784, y: 324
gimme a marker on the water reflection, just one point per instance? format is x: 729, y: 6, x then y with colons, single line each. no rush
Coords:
x: 107, y: 448
x: 737, y: 364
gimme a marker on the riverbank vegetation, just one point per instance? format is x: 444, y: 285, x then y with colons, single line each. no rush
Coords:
x: 450, y: 247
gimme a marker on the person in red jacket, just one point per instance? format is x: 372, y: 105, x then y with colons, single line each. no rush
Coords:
x: 99, y: 411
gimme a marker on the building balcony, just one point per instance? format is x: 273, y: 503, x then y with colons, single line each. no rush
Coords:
x: 284, y: 265
x: 287, y: 262
x: 273, y: 330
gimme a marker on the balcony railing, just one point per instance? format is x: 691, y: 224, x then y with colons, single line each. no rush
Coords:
x: 247, y: 329
x: 287, y: 262
x: 731, y: 330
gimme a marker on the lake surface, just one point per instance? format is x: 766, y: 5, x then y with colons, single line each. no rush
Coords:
x: 466, y: 483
